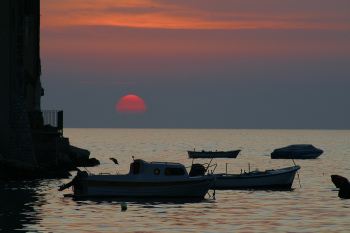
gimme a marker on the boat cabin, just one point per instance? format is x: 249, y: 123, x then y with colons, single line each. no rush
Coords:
x: 140, y: 166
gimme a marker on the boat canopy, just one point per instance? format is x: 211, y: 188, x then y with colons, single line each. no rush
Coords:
x: 298, y: 147
x: 140, y: 166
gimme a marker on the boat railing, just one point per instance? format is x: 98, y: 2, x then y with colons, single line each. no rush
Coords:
x: 241, y: 169
x: 107, y: 173
x: 211, y: 172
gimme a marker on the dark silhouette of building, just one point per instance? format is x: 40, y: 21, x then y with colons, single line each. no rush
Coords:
x: 31, y: 140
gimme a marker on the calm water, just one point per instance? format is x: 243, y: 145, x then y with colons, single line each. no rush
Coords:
x: 312, y: 205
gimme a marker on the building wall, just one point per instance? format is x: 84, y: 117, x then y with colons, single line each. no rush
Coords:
x: 6, y: 73
x: 32, y: 64
x: 19, y: 72
x: 22, y: 145
x: 26, y: 145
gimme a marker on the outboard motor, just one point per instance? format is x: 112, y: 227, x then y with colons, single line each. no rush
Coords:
x: 79, y: 183
x: 197, y: 170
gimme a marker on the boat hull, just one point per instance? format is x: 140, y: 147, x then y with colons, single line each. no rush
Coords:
x: 193, y: 187
x: 280, y: 178
x: 295, y: 155
x: 213, y: 154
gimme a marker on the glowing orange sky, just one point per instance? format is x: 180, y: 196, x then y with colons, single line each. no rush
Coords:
x: 140, y: 30
x: 196, y: 14
x: 58, y: 16
x: 160, y: 48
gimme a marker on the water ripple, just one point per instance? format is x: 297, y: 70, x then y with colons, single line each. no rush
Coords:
x: 312, y: 206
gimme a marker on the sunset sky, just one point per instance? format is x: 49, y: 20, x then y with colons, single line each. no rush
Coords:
x: 251, y: 64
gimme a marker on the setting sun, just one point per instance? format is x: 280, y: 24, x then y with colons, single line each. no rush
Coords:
x: 131, y: 104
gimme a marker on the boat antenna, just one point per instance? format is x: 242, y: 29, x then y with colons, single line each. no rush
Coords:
x: 133, y: 158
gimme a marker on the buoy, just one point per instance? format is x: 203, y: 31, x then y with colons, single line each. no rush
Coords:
x: 123, y: 205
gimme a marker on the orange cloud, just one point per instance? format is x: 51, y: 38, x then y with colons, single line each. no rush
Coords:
x: 124, y: 36
x: 178, y: 15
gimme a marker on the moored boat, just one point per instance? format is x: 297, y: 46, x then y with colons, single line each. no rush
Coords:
x: 213, y: 154
x: 270, y: 179
x: 145, y: 179
x: 296, y: 151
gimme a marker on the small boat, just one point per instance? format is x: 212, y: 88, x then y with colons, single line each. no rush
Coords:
x: 270, y: 179
x: 145, y: 179
x: 297, y: 151
x: 213, y: 154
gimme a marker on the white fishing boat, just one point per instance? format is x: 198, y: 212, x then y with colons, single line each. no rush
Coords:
x: 270, y: 179
x: 296, y: 151
x: 145, y: 179
x: 213, y: 154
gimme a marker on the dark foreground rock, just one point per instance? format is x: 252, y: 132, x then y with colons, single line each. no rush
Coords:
x: 66, y: 158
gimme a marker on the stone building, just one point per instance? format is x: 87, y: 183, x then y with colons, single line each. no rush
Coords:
x: 31, y: 140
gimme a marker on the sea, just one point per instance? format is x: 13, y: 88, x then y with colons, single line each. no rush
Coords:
x: 312, y: 205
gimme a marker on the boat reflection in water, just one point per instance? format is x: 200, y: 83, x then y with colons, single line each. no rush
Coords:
x: 145, y: 179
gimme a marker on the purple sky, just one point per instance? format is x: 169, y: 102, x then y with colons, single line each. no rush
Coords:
x: 198, y: 64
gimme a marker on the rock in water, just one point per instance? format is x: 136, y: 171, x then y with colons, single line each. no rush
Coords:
x: 343, y: 184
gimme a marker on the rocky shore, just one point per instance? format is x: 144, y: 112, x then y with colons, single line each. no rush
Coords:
x: 67, y: 158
